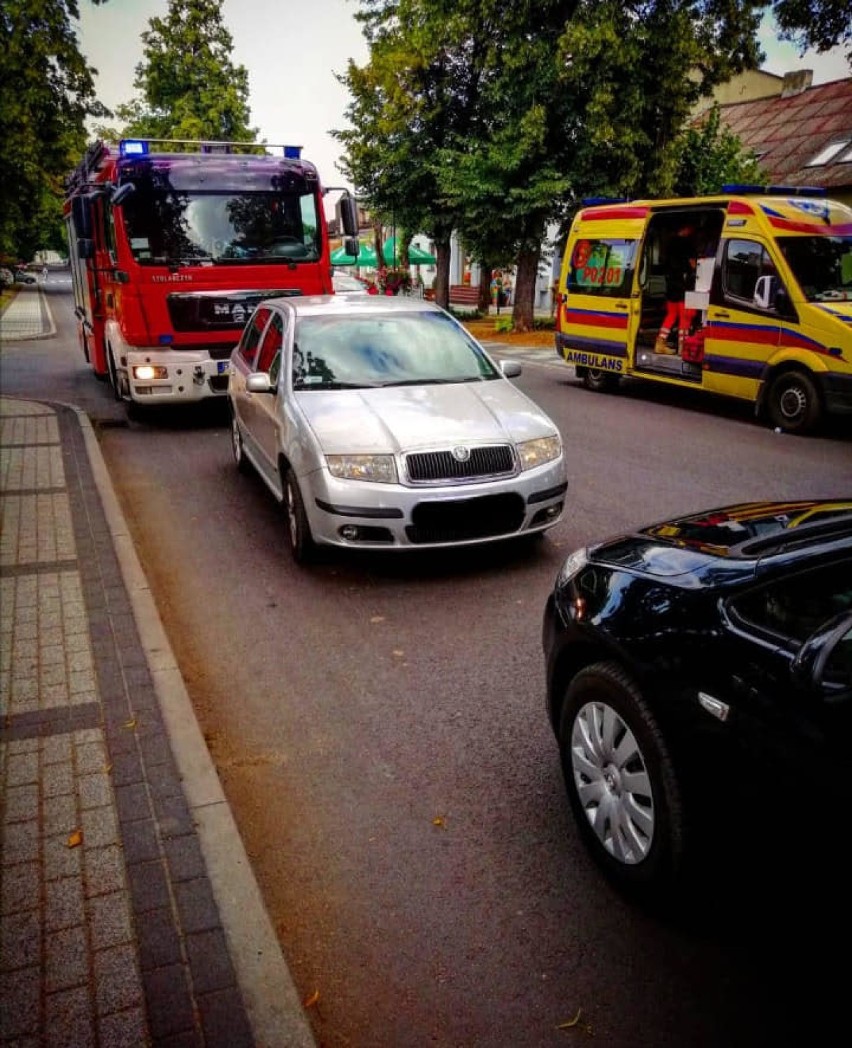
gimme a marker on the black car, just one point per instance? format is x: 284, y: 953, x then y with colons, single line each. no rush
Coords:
x: 701, y: 669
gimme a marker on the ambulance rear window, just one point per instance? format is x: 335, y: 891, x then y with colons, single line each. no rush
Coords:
x: 601, y: 267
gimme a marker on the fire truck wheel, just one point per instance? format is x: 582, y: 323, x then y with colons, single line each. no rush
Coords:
x: 113, y: 374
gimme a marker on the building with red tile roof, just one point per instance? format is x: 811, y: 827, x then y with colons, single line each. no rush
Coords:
x: 801, y: 134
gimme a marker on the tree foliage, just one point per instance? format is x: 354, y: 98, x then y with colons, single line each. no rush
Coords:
x: 498, y: 118
x: 820, y: 24
x: 636, y: 70
x: 708, y: 155
x: 46, y: 92
x: 188, y: 86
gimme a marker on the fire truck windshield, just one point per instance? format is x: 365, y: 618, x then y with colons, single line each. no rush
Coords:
x: 165, y: 226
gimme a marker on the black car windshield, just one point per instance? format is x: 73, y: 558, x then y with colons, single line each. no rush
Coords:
x: 822, y: 266
x: 168, y: 226
x: 385, y: 350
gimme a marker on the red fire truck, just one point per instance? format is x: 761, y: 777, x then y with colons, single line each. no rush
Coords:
x: 173, y: 244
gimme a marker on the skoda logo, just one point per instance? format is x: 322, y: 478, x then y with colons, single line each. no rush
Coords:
x: 461, y: 453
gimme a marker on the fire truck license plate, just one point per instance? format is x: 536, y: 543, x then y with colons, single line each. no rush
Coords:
x: 223, y: 367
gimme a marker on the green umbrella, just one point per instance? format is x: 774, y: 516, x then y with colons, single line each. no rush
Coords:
x: 366, y: 257
x: 416, y: 257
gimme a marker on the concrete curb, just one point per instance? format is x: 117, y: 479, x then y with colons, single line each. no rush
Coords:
x: 272, y: 1003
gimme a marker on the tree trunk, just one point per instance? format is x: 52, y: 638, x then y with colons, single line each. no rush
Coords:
x: 378, y: 244
x: 525, y: 279
x: 484, y: 287
x: 442, y: 273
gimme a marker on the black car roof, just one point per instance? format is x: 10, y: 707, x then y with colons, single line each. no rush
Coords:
x: 730, y: 541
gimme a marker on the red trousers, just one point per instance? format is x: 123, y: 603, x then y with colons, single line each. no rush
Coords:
x: 677, y: 313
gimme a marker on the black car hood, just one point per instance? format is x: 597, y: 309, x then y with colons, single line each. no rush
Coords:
x: 644, y: 555
x: 727, y: 542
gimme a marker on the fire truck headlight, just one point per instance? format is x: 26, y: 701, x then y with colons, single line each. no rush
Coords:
x: 145, y: 372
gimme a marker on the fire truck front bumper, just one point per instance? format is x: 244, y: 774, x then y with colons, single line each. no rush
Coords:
x: 171, y: 377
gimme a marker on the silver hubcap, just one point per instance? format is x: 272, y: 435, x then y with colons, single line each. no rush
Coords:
x: 793, y: 402
x: 612, y: 782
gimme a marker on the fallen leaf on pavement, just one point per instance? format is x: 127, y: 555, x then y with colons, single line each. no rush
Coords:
x: 313, y: 999
x: 438, y: 820
x: 571, y: 1022
x: 75, y: 840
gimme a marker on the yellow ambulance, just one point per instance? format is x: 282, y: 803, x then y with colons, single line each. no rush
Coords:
x: 746, y: 294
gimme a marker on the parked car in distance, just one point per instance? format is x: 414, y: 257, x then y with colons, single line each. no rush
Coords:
x: 381, y: 423
x: 345, y: 284
x: 703, y: 667
x: 22, y: 276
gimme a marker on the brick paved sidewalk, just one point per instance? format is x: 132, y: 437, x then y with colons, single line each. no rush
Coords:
x: 112, y: 928
x: 27, y: 316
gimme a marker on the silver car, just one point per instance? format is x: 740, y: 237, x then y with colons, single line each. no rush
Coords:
x: 381, y: 423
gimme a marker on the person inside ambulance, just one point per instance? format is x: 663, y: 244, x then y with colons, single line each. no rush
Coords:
x: 680, y: 263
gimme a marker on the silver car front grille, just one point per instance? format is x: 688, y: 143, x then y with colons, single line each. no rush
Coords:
x: 461, y: 463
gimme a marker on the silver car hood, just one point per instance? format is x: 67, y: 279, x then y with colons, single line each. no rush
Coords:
x: 406, y: 418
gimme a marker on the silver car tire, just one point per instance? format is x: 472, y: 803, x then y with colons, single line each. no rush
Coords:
x: 237, y: 449
x: 621, y: 781
x: 298, y: 529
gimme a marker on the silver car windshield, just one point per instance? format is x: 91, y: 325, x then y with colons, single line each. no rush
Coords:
x: 385, y: 350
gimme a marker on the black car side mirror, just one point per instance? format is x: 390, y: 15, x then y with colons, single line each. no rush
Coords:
x: 824, y: 661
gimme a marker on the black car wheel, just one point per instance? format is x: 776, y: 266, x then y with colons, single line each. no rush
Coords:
x: 620, y: 781
x: 600, y: 381
x: 298, y: 529
x: 240, y: 460
x: 793, y: 402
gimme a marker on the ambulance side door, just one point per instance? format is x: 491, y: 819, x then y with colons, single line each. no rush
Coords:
x: 598, y: 312
x: 741, y: 332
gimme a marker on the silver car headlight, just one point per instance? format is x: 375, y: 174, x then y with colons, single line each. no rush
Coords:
x: 536, y: 452
x: 380, y: 469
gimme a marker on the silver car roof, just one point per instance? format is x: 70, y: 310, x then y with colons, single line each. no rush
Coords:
x: 342, y: 304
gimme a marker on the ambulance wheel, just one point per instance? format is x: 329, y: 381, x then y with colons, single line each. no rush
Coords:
x: 600, y: 381
x: 793, y: 402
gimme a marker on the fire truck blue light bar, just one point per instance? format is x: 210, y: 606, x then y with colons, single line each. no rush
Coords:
x: 133, y: 147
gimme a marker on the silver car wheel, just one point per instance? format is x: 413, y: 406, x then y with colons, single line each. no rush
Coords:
x: 292, y: 522
x: 612, y: 782
x: 240, y: 459
x: 236, y: 442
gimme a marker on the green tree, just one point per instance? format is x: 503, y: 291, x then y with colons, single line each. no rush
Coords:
x: 821, y: 24
x: 412, y: 95
x: 188, y: 86
x: 511, y: 175
x: 636, y: 71
x: 707, y: 155
x: 46, y: 93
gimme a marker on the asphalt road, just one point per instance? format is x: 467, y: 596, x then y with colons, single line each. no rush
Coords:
x: 378, y: 724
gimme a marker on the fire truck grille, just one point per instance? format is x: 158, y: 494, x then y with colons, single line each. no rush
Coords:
x: 461, y: 519
x: 431, y: 467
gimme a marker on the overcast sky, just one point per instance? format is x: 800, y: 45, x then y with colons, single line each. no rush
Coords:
x: 292, y: 51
